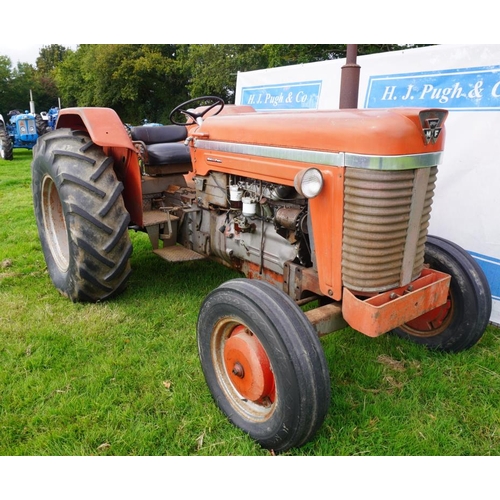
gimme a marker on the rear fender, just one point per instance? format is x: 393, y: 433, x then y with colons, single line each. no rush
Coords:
x: 108, y: 131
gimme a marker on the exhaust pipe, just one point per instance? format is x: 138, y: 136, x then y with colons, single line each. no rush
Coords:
x: 32, y: 103
x: 349, y: 82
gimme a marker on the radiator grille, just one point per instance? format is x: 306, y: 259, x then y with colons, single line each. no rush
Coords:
x: 377, y: 215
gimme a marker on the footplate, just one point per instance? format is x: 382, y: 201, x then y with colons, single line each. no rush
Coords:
x: 386, y: 311
x: 177, y: 253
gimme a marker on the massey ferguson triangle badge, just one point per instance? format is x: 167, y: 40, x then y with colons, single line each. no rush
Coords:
x: 432, y: 121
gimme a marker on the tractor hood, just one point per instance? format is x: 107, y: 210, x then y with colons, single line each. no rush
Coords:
x: 374, y: 132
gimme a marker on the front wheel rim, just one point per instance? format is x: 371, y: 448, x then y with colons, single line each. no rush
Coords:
x: 243, y: 370
x: 432, y: 323
x: 55, y: 224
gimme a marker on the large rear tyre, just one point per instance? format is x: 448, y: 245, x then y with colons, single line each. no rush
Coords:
x: 460, y: 323
x: 6, y: 148
x: 263, y: 363
x: 81, y: 218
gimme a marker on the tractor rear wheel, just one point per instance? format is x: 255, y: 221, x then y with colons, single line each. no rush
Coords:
x: 6, y: 149
x: 81, y: 218
x: 263, y: 363
x: 460, y: 323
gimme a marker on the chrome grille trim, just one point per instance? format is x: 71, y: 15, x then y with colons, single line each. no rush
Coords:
x: 402, y: 162
x: 340, y: 159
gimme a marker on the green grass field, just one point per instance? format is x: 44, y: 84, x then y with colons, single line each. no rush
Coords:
x: 123, y: 377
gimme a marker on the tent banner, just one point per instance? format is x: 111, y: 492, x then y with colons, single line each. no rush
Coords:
x: 465, y: 80
x: 472, y: 89
x: 299, y: 95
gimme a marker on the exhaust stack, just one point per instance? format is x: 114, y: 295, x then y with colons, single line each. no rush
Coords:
x: 32, y: 103
x: 349, y: 83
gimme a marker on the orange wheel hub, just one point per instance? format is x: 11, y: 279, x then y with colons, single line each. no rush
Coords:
x: 248, y: 366
x: 434, y: 321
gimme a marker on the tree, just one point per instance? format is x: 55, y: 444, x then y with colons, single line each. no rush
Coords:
x: 21, y: 82
x: 138, y: 81
x: 25, y: 78
x: 213, y: 68
x: 285, y: 55
x: 366, y: 49
x: 47, y: 93
x: 145, y: 81
x: 16, y: 83
x: 69, y: 77
x: 50, y: 57
x: 5, y: 75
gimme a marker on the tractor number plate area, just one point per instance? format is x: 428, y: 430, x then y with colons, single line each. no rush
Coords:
x: 386, y: 311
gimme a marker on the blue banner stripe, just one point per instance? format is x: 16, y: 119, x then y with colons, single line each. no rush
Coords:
x: 298, y: 95
x: 491, y: 267
x: 464, y: 89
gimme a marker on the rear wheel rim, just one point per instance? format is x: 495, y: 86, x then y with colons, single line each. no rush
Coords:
x: 243, y: 370
x: 55, y: 224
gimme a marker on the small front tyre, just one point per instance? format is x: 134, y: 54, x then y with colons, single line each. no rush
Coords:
x: 460, y: 323
x: 263, y: 363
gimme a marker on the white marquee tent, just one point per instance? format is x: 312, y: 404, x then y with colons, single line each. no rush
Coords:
x: 465, y: 79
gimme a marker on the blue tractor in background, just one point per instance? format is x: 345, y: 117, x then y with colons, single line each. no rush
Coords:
x: 50, y: 118
x: 21, y: 130
x: 18, y: 132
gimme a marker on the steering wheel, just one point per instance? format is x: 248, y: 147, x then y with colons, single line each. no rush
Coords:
x: 210, y: 101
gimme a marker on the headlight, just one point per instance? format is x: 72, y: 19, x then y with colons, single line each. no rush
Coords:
x: 309, y: 183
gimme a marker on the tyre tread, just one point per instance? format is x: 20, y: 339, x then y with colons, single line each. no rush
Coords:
x: 94, y: 212
x: 473, y: 302
x: 299, y: 347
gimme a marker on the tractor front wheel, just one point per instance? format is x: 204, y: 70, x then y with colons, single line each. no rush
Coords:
x: 461, y: 321
x: 42, y: 126
x: 81, y: 218
x: 6, y: 148
x: 263, y: 363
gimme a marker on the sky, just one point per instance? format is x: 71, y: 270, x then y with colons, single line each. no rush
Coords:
x: 25, y: 52
x: 279, y: 24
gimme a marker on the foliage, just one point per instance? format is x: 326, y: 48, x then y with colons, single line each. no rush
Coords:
x: 214, y: 68
x: 138, y: 81
x: 16, y: 83
x: 50, y: 57
x: 23, y: 80
x: 285, y: 55
x: 146, y: 81
x: 5, y: 75
x: 366, y: 49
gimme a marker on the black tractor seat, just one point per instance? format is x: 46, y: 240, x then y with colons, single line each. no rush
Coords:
x: 162, y: 146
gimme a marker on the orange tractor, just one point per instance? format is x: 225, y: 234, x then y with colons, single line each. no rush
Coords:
x: 325, y: 208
